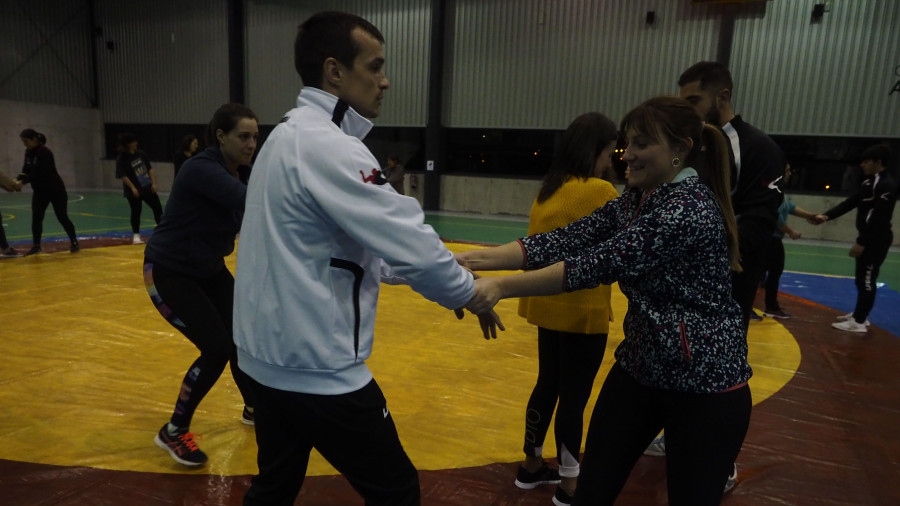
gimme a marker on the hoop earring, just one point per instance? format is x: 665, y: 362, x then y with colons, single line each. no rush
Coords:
x: 676, y: 162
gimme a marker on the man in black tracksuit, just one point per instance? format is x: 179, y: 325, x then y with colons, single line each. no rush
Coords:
x: 757, y: 170
x: 874, y: 202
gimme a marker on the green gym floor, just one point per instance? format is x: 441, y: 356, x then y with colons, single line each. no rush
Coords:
x: 105, y: 214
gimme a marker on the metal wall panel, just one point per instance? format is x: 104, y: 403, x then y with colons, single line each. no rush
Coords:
x: 169, y: 63
x: 273, y: 84
x: 46, y: 55
x: 831, y: 77
x: 540, y: 63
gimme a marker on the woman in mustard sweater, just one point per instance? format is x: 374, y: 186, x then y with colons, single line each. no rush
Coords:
x: 572, y: 327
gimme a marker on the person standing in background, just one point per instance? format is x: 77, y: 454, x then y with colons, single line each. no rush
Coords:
x: 572, y: 327
x: 757, y: 169
x: 40, y: 170
x: 394, y: 173
x: 874, y: 202
x: 9, y: 185
x: 138, y: 182
x: 775, y: 255
x: 189, y: 145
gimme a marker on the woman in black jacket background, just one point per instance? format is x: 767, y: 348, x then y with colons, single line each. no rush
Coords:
x: 40, y: 170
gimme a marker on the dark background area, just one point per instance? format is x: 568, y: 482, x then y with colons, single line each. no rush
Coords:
x: 821, y: 165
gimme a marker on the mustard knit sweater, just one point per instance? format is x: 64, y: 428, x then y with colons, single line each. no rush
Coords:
x: 584, y: 311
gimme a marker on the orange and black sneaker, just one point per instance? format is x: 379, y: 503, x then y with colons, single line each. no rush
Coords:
x: 181, y: 447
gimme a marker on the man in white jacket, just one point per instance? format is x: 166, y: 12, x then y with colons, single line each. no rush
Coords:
x: 320, y: 231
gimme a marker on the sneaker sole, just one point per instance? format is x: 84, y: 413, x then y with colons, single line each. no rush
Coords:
x: 858, y: 331
x: 845, y: 317
x: 557, y: 502
x: 162, y: 444
x: 251, y: 423
x: 536, y: 484
x: 773, y: 315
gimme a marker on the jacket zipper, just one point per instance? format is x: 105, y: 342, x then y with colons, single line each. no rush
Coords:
x: 358, y: 273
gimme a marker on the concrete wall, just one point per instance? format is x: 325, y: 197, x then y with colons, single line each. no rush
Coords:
x: 74, y: 134
x: 479, y: 195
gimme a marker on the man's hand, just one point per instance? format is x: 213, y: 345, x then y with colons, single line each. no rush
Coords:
x: 487, y: 294
x: 817, y: 219
x: 856, y: 250
x: 793, y: 234
x: 489, y: 322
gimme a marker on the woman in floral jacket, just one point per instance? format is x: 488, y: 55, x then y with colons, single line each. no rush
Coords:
x: 670, y: 242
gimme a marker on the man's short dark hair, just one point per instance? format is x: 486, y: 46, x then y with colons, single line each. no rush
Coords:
x: 710, y: 74
x: 878, y: 152
x: 328, y: 35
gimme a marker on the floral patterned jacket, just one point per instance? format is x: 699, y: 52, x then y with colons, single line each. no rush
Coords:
x: 668, y: 251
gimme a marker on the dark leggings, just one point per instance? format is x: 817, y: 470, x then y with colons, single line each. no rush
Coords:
x: 704, y: 434
x: 39, y: 203
x: 753, y: 241
x: 774, y: 270
x: 3, y: 244
x: 152, y: 200
x: 867, y: 267
x: 567, y: 365
x: 201, y: 309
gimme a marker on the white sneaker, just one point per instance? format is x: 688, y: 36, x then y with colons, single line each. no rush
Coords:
x: 657, y: 447
x: 850, y: 326
x: 849, y: 316
x: 137, y: 239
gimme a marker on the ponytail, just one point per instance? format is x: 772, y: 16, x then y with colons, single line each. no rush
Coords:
x: 32, y: 134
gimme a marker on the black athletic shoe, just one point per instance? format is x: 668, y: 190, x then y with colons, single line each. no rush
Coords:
x: 776, y: 313
x: 755, y: 317
x: 546, y: 475
x: 181, y: 447
x: 561, y: 498
x: 34, y: 251
x: 75, y: 247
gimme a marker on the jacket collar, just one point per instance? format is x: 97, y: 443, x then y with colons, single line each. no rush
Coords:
x: 344, y: 116
x: 684, y: 174
x: 638, y: 194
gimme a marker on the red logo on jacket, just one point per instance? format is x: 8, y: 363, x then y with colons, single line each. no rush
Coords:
x: 375, y: 178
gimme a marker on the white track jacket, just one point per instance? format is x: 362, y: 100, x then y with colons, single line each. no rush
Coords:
x: 319, y: 225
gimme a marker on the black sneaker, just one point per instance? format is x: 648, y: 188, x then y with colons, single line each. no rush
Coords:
x: 34, y: 251
x: 755, y: 317
x: 75, y: 247
x: 561, y: 498
x: 248, y: 417
x: 181, y: 447
x: 9, y: 253
x: 546, y: 475
x: 776, y: 313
